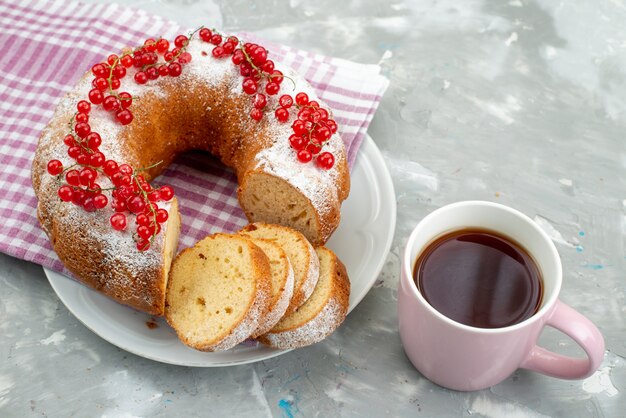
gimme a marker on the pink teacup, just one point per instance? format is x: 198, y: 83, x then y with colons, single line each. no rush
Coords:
x: 462, y: 357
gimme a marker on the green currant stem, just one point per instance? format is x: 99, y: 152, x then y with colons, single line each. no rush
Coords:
x: 149, y: 167
x: 154, y: 214
x: 79, y: 141
x: 260, y: 70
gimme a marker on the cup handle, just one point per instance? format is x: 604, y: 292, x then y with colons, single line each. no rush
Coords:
x: 581, y: 330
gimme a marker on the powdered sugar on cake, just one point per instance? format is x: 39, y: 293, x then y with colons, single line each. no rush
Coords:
x: 315, y: 330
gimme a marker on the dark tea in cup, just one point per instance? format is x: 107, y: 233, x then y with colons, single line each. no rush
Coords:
x: 479, y: 282
x: 479, y: 278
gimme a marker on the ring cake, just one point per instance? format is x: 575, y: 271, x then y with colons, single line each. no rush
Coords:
x: 129, y: 117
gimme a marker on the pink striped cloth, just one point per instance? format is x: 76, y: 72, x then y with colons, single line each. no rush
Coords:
x: 48, y: 45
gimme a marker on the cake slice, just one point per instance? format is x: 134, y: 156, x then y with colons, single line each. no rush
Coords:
x: 217, y: 292
x: 300, y: 252
x: 281, y: 282
x: 323, y: 312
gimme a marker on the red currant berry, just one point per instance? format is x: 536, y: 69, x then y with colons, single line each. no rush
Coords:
x: 144, y: 232
x: 217, y: 52
x: 181, y: 41
x: 152, y: 73
x: 161, y: 215
x: 229, y: 47
x: 138, y: 61
x: 142, y: 219
x: 96, y: 159
x: 249, y: 47
x: 125, y: 99
x: 123, y: 180
x: 78, y: 197
x: 87, y: 204
x: 259, y: 56
x: 282, y: 114
x: 87, y: 176
x: 81, y: 117
x: 245, y: 69
x: 100, y: 70
x: 93, y: 140
x: 238, y: 57
x: 111, y: 103
x: 162, y: 45
x: 249, y: 85
x: 175, y: 69
x: 168, y: 56
x: 74, y: 151
x: 55, y: 167
x: 256, y: 114
x: 141, y: 77
x: 323, y: 114
x: 154, y: 195
x: 260, y: 100
x: 136, y: 204
x: 124, y: 116
x: 298, y: 127
x: 304, y: 156
x: 205, y: 34
x: 314, y: 148
x: 118, y: 221
x: 163, y: 70
x: 272, y: 88
x: 100, y: 201
x: 111, y: 59
x: 118, y: 205
x: 325, y: 160
x: 268, y: 66
x: 143, y: 245
x: 184, y: 58
x: 95, y: 96
x: 125, y: 169
x: 315, y: 117
x: 65, y: 193
x: 304, y: 114
x: 83, y: 106
x: 302, y: 99
x: 82, y: 129
x: 297, y: 142
x: 285, y: 101
x: 82, y: 159
x: 100, y: 83
x: 127, y: 61
x: 332, y: 125
x: 110, y: 167
x: 166, y: 193
x: 115, y: 83
x: 72, y: 178
x: 149, y: 58
x: 277, y: 76
x: 216, y: 39
x: 150, y: 45
x: 119, y: 71
x: 322, y: 133
x: 69, y: 140
x: 314, y: 104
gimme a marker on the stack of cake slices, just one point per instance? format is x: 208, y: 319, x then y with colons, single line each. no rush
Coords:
x: 265, y: 282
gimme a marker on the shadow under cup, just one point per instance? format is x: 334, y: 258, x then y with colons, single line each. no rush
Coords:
x: 462, y: 357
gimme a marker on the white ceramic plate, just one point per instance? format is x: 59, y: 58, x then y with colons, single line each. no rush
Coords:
x: 362, y: 242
